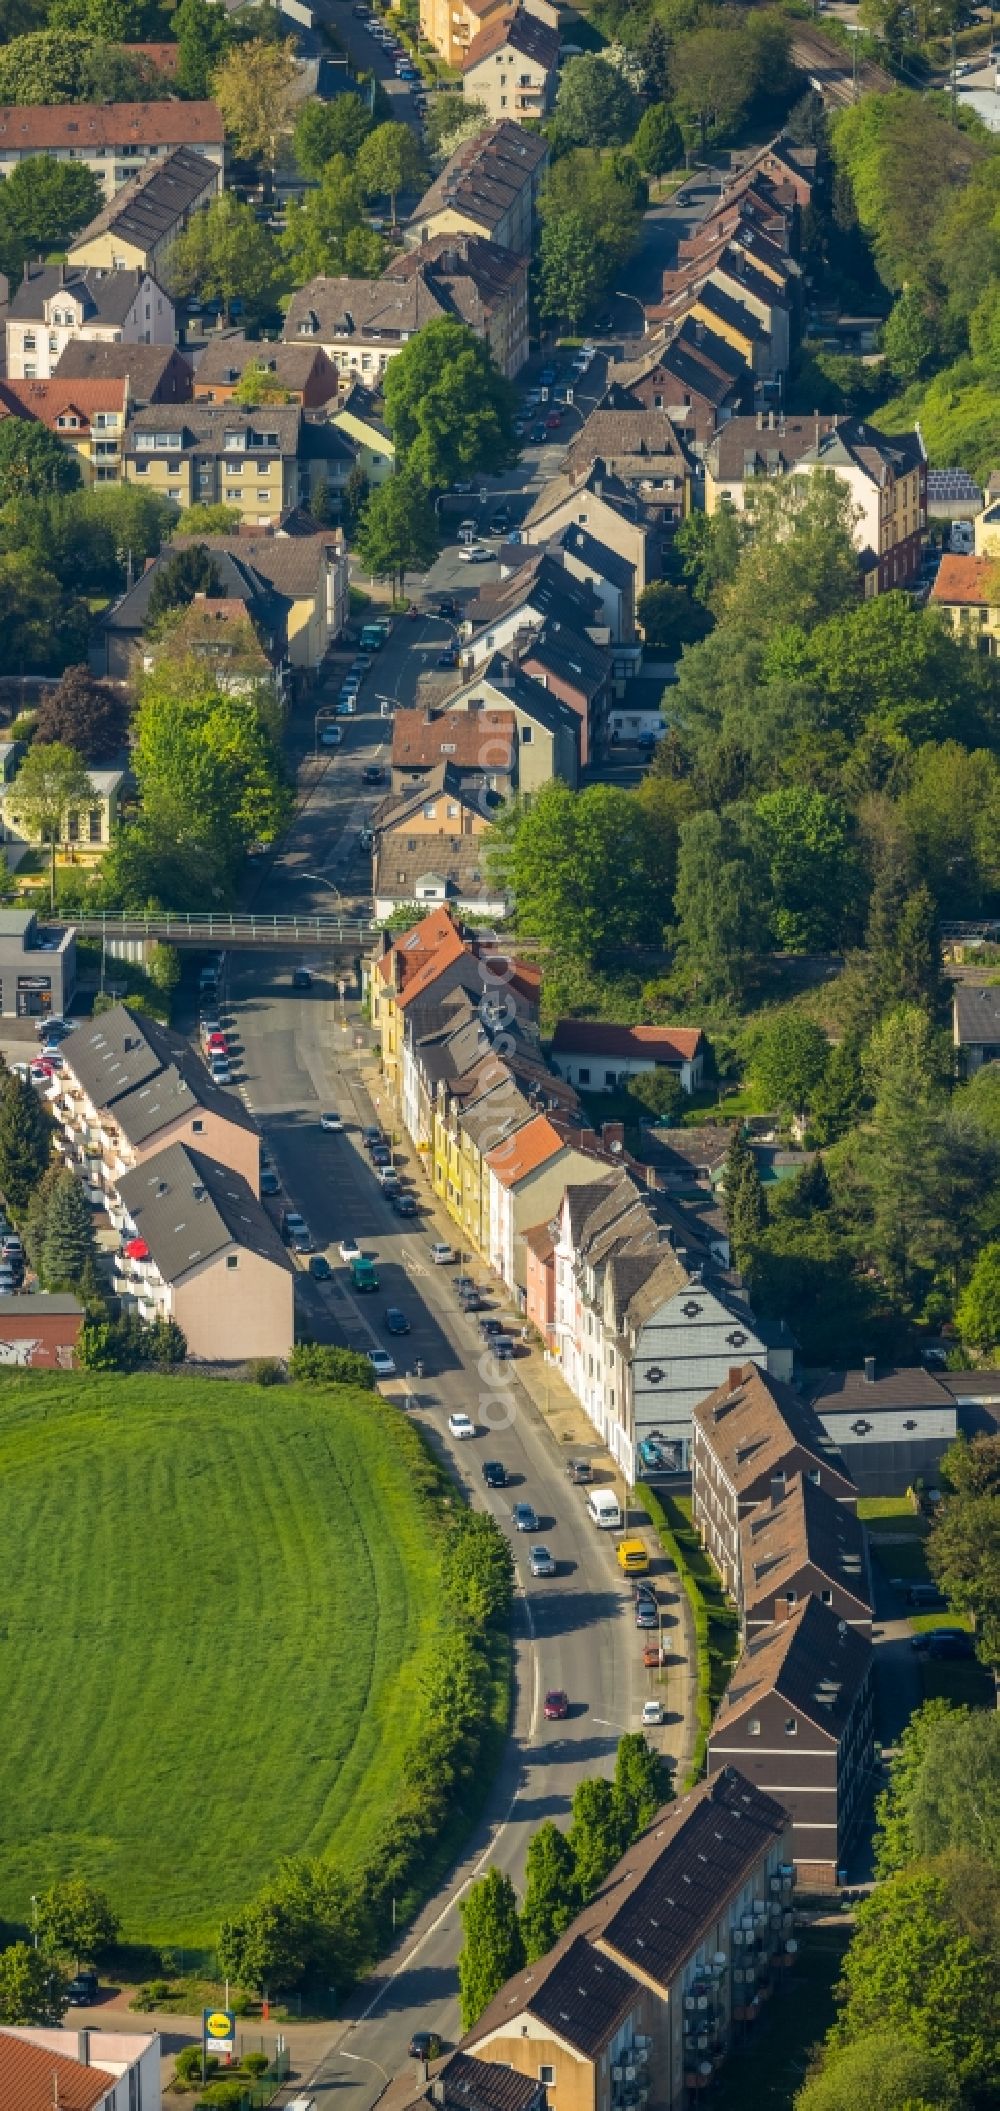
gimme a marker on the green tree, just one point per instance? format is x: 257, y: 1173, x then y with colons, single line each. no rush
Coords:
x: 69, y: 66
x: 788, y: 1060
x: 596, y: 1835
x: 972, y: 1468
x: 390, y: 161
x: 907, y: 339
x: 73, y: 1917
x: 954, y: 1803
x: 798, y: 564
x: 882, y: 2071
x: 191, y: 570
x: 582, y: 869
x: 83, y: 714
x: 225, y: 255
x: 803, y: 837
x: 43, y: 203
x: 977, y: 1314
x: 669, y: 617
x: 264, y: 1946
x: 583, y: 189
x: 448, y: 407
x: 25, y: 1141
x: 254, y: 87
x: 911, y: 1970
x: 323, y: 130
x: 641, y: 1786
x: 451, y: 119
x: 31, y: 1989
x: 717, y: 902
x: 52, y: 782
x: 552, y: 1896
x: 326, y: 235
x: 571, y: 270
x: 746, y: 1207
x: 894, y: 1843
x: 480, y: 1569
x: 713, y: 77
x: 204, y: 35
x: 658, y: 142
x: 397, y: 531
x: 68, y: 1249
x: 595, y: 106
x: 33, y: 461
x: 660, y: 1092
x: 42, y: 627
x: 492, y: 1948
x: 963, y: 1555
x: 257, y: 384
x: 163, y: 966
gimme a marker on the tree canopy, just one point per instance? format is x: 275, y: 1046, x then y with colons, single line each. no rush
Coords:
x: 449, y: 409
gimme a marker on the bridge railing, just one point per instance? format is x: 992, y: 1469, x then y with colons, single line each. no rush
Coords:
x: 211, y: 926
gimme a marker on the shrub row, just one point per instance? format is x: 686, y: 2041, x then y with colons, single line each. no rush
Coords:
x: 715, y: 1620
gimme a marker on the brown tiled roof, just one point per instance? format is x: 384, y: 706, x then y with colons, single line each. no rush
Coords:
x: 48, y: 401
x: 967, y: 582
x: 537, y: 1142
x: 485, y: 175
x: 846, y: 1391
x: 32, y: 2079
x: 466, y: 274
x: 616, y: 435
x: 294, y: 565
x: 485, y: 740
x: 541, y: 1241
x: 753, y: 1427
x: 165, y: 57
x: 805, y: 1525
x: 815, y: 1662
x: 483, y: 2085
x: 290, y: 366
x: 354, y: 309
x: 38, y: 127
x: 665, y: 1044
x: 144, y: 366
x: 421, y: 954
x: 783, y: 444
x: 525, y: 34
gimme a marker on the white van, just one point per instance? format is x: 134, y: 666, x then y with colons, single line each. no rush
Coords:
x: 603, y: 1510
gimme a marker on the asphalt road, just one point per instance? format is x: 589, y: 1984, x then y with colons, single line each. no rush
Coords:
x: 367, y: 56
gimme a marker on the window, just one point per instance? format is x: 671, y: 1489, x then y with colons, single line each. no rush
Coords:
x: 198, y: 1127
x: 232, y: 1260
x: 583, y: 1075
x: 790, y: 1597
x: 828, y: 1597
x: 527, y: 736
x: 30, y: 372
x: 753, y: 1726
x: 263, y: 497
x: 174, y: 492
x: 547, y: 2075
x: 791, y: 1727
x: 29, y: 340
x: 73, y: 827
x: 610, y: 1080
x: 95, y: 824
x: 815, y: 1475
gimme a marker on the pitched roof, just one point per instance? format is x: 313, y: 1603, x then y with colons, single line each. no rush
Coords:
x: 143, y: 1073
x: 147, y: 210
x: 805, y: 1525
x: 536, y: 702
x: 752, y: 446
x: 32, y: 2079
x: 967, y: 582
x: 383, y: 309
x: 485, y: 175
x: 457, y: 862
x: 189, y: 1208
x: 618, y: 435
x: 564, y: 652
x: 977, y: 1014
x: 752, y: 1427
x: 651, y: 1913
x: 104, y: 296
x: 240, y: 580
x: 814, y: 1661
x: 422, y: 954
x: 532, y: 1147
x: 143, y: 366
x: 36, y: 128
x: 468, y: 275
x: 524, y: 33
x: 48, y: 401
x: 463, y: 2083
x: 846, y: 1392
x: 293, y: 565
x: 273, y: 428
x: 598, y: 556
x: 663, y: 1044
x: 470, y: 740
x: 226, y: 358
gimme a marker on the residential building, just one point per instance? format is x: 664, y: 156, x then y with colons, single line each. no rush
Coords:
x: 797, y: 1719
x: 462, y: 2083
x: 650, y: 1979
x: 87, y: 416
x: 891, y: 1428
x: 610, y: 577
x: 534, y: 588
x: 453, y: 25
x: 56, y: 303
x: 40, y: 1333
x: 199, y: 1248
x: 37, y: 966
x: 137, y: 226
x: 151, y: 373
x: 528, y: 1172
x: 80, y: 2069
x: 752, y: 1436
x: 486, y: 1084
x: 480, y: 283
x: 86, y: 833
x: 512, y: 66
x: 540, y: 1282
x: 643, y: 449
x: 690, y: 372
x: 113, y: 140
x: 975, y: 1014
x: 577, y: 673
x: 986, y: 524
x: 603, y: 505
x: 129, y: 1088
x: 359, y: 416
x: 748, y: 277
x: 481, y: 748
x: 967, y: 592
x: 413, y: 867
x: 599, y: 1057
x: 408, y: 966
x: 263, y: 461
x: 803, y: 1542
x: 489, y: 187
x: 296, y: 373
x: 886, y: 476
x: 230, y: 637
x: 547, y: 729
x: 293, y: 588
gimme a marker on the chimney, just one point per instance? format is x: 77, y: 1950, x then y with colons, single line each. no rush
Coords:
x: 760, y: 421
x: 83, y: 2047
x: 816, y: 416
x: 869, y: 1370
x: 735, y: 1376
x: 421, y: 2073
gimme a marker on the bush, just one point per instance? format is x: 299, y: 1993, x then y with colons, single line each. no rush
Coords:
x: 265, y: 1370
x: 151, y: 1995
x: 715, y: 1620
x: 254, y: 2063
x: 187, y: 2066
x: 316, y: 1363
x: 223, y: 2096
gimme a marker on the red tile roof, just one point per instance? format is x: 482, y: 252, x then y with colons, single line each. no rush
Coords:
x: 525, y: 1151
x: 470, y: 740
x: 973, y: 582
x: 664, y: 1044
x: 164, y: 57
x: 48, y: 401
x: 38, y: 127
x: 33, y: 2080
x: 421, y: 955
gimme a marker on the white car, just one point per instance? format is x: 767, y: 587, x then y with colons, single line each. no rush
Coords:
x: 350, y: 1250
x: 330, y: 736
x: 652, y: 1715
x: 460, y: 1426
x: 331, y: 1122
x: 441, y: 1253
x: 382, y: 1363
x: 475, y: 553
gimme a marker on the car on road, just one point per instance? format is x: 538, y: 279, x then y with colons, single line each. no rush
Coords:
x: 364, y: 1274
x: 331, y: 1121
x: 296, y: 1233
x: 489, y: 1328
x: 372, y: 1136
x: 460, y: 1425
x: 302, y: 979
x: 380, y: 1154
x: 646, y: 1613
x: 447, y: 609
x: 269, y: 1182
x: 403, y: 1205
x: 463, y: 1282
x: 220, y: 1071
x: 54, y: 1029
x: 553, y: 421
x: 424, y: 2045
x: 442, y: 1253
x: 382, y: 1363
x: 330, y: 736
x: 556, y: 1705
x: 475, y: 553
x: 349, y: 1250
x: 578, y: 1471
x: 495, y: 1473
x: 396, y: 1321
x: 632, y: 1557
x: 470, y: 1300
x: 652, y: 1656
x: 541, y: 1562
x: 652, y: 1715
x: 366, y: 839
x: 372, y: 773
x: 500, y: 521
x: 524, y: 1519
x: 82, y: 1990
x: 447, y: 657
x: 319, y: 1268
x: 502, y: 1347
x: 537, y: 435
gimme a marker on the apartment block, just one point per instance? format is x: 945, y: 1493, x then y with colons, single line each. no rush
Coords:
x: 198, y: 1247
x: 751, y: 1436
x: 113, y: 140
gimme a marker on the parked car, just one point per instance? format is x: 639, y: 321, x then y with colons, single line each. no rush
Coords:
x: 944, y: 1642
x: 495, y: 1473
x: 302, y: 979
x: 319, y: 1268
x: 578, y: 1471
x: 925, y: 1594
x: 524, y: 1518
x: 371, y: 1136
x: 388, y: 1179
x: 380, y: 1155
x: 475, y: 553
x: 403, y: 1205
x: 490, y: 1328
x: 372, y: 773
x: 646, y: 1614
x: 652, y: 1714
x: 442, y: 1253
x: 331, y: 1121
x: 502, y: 1347
x: 463, y: 1282
x: 221, y: 1073
x: 82, y: 1990
x: 269, y: 1182
x: 382, y: 1363
x: 556, y: 1705
x: 424, y: 2044
x: 538, y: 435
x: 541, y: 1562
x: 470, y: 1300
x: 296, y: 1233
x: 460, y: 1425
x: 330, y: 736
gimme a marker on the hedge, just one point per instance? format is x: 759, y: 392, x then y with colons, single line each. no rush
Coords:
x: 716, y: 1626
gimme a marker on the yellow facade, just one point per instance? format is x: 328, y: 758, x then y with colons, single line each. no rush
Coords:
x: 376, y: 453
x: 741, y: 340
x: 98, y: 447
x: 261, y: 493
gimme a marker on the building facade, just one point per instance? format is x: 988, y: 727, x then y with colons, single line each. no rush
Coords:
x: 752, y: 1436
x: 113, y: 140
x: 56, y: 304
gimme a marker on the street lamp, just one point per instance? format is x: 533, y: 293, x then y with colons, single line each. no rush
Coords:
x: 321, y: 882
x: 621, y: 295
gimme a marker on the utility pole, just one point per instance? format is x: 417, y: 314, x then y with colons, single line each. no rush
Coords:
x: 954, y: 77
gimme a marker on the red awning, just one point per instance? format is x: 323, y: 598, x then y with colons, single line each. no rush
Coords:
x: 137, y: 1250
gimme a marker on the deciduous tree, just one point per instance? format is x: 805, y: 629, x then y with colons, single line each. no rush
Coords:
x: 977, y: 1314
x: 323, y: 130
x: 641, y: 1785
x: 31, y: 1988
x: 552, y: 1896
x: 390, y: 161
x: 596, y: 1836
x: 204, y: 35
x: 83, y: 714
x: 595, y: 106
x: 327, y: 234
x: 963, y: 1555
x: 397, y: 530
x: 718, y: 902
x: 42, y: 204
x: 448, y: 407
x: 882, y: 2071
x: 225, y: 255
x: 788, y: 1061
x: 33, y: 462
x: 746, y: 1208
x: 658, y: 141
x: 910, y: 1969
x: 493, y: 1947
x: 253, y: 86
x: 52, y: 782
x: 72, y: 1916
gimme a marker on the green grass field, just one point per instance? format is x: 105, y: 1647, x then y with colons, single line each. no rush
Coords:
x: 216, y: 1607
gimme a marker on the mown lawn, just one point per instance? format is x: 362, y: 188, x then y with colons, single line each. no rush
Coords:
x: 216, y: 1607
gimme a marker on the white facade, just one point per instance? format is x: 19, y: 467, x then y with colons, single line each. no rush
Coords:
x: 604, y: 1072
x: 501, y: 1223
x: 35, y: 345
x: 130, y: 2059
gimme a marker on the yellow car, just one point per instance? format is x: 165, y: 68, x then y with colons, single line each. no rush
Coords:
x: 632, y: 1557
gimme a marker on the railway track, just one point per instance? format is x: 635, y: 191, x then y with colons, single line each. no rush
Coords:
x: 829, y: 70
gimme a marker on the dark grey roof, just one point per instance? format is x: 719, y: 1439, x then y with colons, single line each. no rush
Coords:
x: 814, y: 1661
x: 44, y: 1304
x: 143, y: 366
x: 156, y: 202
x: 584, y: 1998
x: 145, y: 1073
x: 485, y: 175
x: 105, y: 296
x: 527, y: 695
x: 484, y: 2085
x: 189, y: 1208
x: 110, y: 1056
x: 845, y: 1392
x: 271, y: 429
x: 239, y: 580
x: 571, y: 657
x: 977, y: 1014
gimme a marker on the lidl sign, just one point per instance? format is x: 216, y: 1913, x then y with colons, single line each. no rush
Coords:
x: 219, y: 2029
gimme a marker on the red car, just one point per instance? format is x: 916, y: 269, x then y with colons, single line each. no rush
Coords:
x: 217, y: 1041
x: 556, y: 1707
x: 554, y: 418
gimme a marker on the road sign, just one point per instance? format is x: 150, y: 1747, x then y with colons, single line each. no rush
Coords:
x: 218, y: 2026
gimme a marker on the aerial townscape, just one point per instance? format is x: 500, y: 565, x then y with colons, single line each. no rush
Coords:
x: 499, y: 1055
